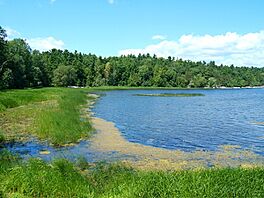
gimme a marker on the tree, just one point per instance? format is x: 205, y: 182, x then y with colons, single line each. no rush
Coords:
x: 19, y: 62
x: 198, y: 81
x: 2, y: 48
x: 6, y: 79
x: 64, y: 76
x: 21, y: 67
x: 212, y: 82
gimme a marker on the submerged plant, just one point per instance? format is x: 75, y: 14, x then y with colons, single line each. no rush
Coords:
x: 172, y: 94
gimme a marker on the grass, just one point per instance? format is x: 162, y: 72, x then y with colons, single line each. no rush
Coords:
x: 15, y: 98
x: 62, y: 178
x: 172, y: 95
x: 61, y: 123
x: 2, y: 137
x: 55, y: 114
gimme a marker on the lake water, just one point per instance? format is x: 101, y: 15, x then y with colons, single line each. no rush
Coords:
x: 221, y: 117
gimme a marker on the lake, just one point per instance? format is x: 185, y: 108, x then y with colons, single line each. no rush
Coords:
x: 220, y: 117
x: 190, y: 125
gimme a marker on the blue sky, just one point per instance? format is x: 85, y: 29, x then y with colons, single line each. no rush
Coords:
x: 222, y: 30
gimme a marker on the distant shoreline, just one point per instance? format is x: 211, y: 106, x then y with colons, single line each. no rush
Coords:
x: 110, y: 88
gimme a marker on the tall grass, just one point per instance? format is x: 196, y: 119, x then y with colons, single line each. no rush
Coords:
x: 50, y: 113
x: 2, y: 137
x: 61, y: 122
x: 15, y: 98
x: 62, y: 178
x: 55, y: 114
x: 36, y: 178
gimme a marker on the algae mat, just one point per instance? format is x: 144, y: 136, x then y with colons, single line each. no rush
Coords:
x: 108, y: 138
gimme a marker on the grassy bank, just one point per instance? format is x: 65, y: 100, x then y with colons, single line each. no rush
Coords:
x: 62, y: 178
x: 57, y: 114
x: 52, y: 113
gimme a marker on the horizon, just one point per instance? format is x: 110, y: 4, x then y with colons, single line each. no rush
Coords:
x: 221, y: 31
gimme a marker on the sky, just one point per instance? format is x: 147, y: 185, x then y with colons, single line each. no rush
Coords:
x: 224, y: 31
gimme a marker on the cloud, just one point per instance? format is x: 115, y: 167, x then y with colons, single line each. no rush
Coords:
x: 45, y: 44
x: 52, y: 1
x: 11, y: 33
x: 159, y: 37
x: 41, y: 44
x: 229, y: 48
x: 111, y: 1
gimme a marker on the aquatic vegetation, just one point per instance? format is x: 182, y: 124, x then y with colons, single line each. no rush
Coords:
x: 109, y: 138
x: 258, y: 123
x: 172, y: 95
x: 60, y: 118
x: 186, y: 123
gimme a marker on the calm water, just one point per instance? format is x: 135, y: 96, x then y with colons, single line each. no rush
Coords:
x: 33, y: 147
x: 220, y: 117
x: 187, y: 123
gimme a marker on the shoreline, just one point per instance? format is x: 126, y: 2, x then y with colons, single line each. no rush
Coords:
x: 110, y: 88
x: 108, y: 138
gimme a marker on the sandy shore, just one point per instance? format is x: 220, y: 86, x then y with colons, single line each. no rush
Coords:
x: 109, y: 138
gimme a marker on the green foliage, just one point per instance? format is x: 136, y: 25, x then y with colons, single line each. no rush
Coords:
x: 15, y: 98
x: 2, y: 47
x: 49, y: 113
x: 2, y: 137
x: 64, y: 76
x: 19, y: 62
x: 39, y: 179
x: 60, y: 122
x: 61, y: 178
x: 20, y: 67
x: 82, y: 163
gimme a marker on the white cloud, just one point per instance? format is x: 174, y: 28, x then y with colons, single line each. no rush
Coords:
x: 11, y: 33
x: 159, y: 37
x: 111, y: 1
x: 45, y: 44
x: 230, y: 48
x: 41, y: 44
x: 52, y: 1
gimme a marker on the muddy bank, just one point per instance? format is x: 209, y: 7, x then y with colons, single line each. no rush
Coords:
x: 108, y: 138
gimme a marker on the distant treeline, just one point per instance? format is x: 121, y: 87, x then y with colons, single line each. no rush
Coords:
x: 21, y: 67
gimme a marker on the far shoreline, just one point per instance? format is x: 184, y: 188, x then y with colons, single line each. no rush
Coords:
x: 117, y: 88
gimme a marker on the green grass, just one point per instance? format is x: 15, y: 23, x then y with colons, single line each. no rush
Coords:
x: 61, y: 122
x: 15, y: 98
x: 2, y: 137
x: 62, y: 178
x: 172, y: 95
x: 55, y: 114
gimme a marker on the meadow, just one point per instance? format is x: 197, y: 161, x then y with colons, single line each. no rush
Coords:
x: 57, y: 115
x: 50, y: 114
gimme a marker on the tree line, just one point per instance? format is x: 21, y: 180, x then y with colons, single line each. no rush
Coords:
x: 22, y: 67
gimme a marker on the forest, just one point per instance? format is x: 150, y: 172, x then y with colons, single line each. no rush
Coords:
x: 22, y: 67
